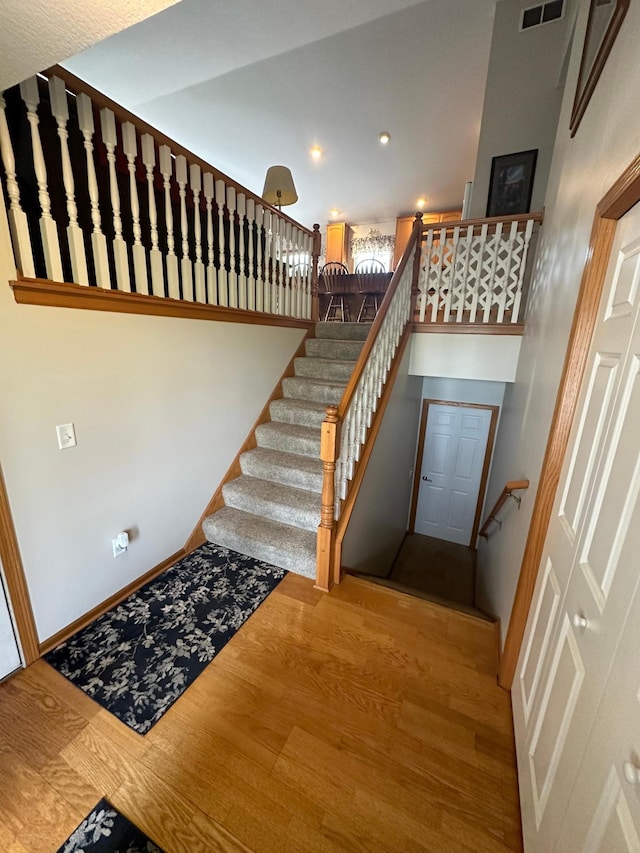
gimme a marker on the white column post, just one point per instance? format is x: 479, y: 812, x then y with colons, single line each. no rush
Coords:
x: 148, y: 152
x: 48, y: 228
x: 166, y: 170
x: 223, y: 282
x: 251, y: 279
x: 130, y: 148
x: 186, y: 268
x: 108, y: 126
x: 18, y: 224
x: 233, y: 275
x: 195, y: 180
x: 98, y: 240
x: 208, y: 192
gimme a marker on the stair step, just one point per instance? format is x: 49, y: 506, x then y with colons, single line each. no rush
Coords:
x: 290, y: 469
x: 332, y: 348
x: 343, y: 331
x: 324, y: 368
x: 298, y: 507
x: 281, y: 545
x: 318, y: 390
x: 289, y: 438
x: 299, y: 412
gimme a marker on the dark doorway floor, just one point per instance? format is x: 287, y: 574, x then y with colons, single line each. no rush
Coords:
x: 437, y: 570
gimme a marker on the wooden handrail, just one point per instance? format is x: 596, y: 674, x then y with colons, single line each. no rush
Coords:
x: 76, y: 85
x: 349, y: 391
x: 489, y: 220
x: 509, y: 488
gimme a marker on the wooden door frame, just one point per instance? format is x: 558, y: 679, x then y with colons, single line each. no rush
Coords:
x: 424, y: 417
x: 17, y: 591
x: 620, y: 198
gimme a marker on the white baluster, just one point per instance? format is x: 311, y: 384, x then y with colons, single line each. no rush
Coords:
x: 269, y: 266
x: 48, y: 229
x: 468, y: 242
x: 277, y: 306
x: 523, y: 265
x: 18, y: 224
x: 98, y: 240
x: 195, y: 180
x: 426, y: 296
x: 75, y: 237
x: 186, y: 268
x: 259, y: 283
x: 502, y: 299
x: 452, y: 247
x: 475, y: 281
x: 251, y: 278
x: 233, y: 275
x: 241, y: 206
x: 130, y: 148
x: 148, y: 151
x: 166, y: 169
x: 223, y: 279
x: 285, y: 277
x: 108, y: 126
x: 208, y: 192
x: 490, y: 278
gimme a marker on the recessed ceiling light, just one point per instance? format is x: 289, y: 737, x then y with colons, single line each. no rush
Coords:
x: 384, y: 137
x: 316, y: 152
x: 335, y: 212
x: 421, y: 202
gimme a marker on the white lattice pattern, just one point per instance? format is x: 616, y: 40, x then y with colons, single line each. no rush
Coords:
x: 474, y: 274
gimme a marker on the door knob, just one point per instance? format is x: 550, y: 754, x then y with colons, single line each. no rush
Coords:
x: 580, y: 621
x: 631, y: 773
x: 428, y: 479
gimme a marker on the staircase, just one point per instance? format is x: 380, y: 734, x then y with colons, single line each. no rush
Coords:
x: 272, y: 510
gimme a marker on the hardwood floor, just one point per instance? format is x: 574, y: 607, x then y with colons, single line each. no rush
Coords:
x: 363, y: 720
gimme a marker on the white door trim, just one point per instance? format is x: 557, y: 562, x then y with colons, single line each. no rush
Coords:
x: 485, y: 467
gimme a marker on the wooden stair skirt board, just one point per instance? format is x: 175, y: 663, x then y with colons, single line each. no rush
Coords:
x: 269, y: 506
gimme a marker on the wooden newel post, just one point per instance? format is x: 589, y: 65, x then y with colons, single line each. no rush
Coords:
x: 329, y: 439
x: 316, y: 248
x: 415, y: 277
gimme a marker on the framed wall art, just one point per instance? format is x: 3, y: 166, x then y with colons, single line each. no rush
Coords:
x: 511, y: 183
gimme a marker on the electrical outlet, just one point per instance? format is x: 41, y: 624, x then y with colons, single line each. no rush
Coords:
x: 120, y: 543
x: 66, y: 436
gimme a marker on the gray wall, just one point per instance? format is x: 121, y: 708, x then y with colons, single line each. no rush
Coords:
x: 522, y: 97
x: 161, y: 406
x: 582, y: 171
x: 379, y: 519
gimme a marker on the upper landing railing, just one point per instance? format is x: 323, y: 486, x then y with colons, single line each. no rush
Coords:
x: 98, y: 198
x: 473, y: 271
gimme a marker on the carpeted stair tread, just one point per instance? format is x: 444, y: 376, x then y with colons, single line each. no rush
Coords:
x: 290, y: 469
x: 281, y: 545
x: 289, y: 438
x: 319, y: 390
x: 333, y: 348
x: 343, y: 331
x: 300, y: 412
x: 324, y: 368
x: 298, y: 507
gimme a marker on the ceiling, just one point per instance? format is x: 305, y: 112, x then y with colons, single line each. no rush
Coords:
x: 247, y: 85
x: 38, y: 33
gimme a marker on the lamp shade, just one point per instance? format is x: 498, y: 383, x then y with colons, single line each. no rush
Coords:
x: 279, y: 188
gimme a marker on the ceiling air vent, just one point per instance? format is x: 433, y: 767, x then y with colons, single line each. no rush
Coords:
x: 544, y: 13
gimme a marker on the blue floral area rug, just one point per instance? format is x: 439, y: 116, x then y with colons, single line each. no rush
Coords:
x: 105, y: 830
x: 138, y: 658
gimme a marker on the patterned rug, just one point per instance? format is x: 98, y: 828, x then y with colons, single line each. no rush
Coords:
x: 105, y: 830
x: 138, y: 658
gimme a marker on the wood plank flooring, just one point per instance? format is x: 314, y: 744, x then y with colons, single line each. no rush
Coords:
x: 363, y: 720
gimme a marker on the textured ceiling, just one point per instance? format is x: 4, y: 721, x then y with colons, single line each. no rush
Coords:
x: 248, y: 85
x: 37, y: 33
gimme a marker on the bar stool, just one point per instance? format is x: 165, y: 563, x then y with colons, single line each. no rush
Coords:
x: 371, y: 286
x: 337, y: 287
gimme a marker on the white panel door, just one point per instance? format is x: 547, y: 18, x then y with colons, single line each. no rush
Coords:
x: 588, y: 573
x: 454, y: 449
x: 9, y: 655
x: 604, y: 812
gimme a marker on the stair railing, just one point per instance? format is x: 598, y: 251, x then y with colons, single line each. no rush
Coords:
x: 346, y: 428
x: 473, y: 271
x: 510, y: 488
x: 101, y: 199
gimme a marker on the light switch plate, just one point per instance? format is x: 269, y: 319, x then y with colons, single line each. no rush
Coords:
x: 66, y: 436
